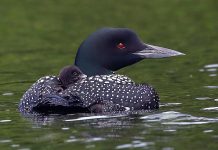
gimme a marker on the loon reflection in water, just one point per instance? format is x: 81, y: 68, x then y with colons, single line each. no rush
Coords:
x: 103, y: 52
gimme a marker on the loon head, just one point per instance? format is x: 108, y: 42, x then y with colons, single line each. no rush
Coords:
x: 110, y: 49
x: 70, y: 74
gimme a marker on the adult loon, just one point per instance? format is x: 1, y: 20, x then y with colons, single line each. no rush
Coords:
x: 103, y: 52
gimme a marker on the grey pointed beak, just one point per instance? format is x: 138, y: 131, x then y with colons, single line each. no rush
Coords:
x: 151, y: 51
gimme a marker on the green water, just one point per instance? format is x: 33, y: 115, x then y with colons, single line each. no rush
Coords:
x: 37, y: 38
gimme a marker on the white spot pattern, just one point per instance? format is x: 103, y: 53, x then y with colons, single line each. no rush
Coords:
x: 117, y: 92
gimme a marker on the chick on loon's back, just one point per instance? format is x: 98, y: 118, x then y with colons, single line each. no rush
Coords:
x: 48, y: 94
x: 44, y: 94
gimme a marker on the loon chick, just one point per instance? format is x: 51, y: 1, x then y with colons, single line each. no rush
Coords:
x: 70, y: 74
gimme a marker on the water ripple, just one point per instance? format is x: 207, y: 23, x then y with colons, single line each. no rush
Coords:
x: 177, y: 118
x: 8, y: 94
x: 211, y: 66
x: 185, y: 123
x: 208, y: 131
x: 87, y: 140
x: 134, y: 144
x: 24, y: 149
x: 169, y: 104
x: 15, y: 145
x: 65, y: 128
x: 71, y: 140
x: 203, y: 98
x: 211, y: 69
x: 213, y: 75
x: 5, y: 141
x: 211, y: 108
x: 92, y: 117
x: 2, y: 121
x: 168, y: 148
x: 95, y: 139
x: 211, y: 87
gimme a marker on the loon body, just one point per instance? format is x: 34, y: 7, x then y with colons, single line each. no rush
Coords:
x: 102, y: 53
x: 115, y: 90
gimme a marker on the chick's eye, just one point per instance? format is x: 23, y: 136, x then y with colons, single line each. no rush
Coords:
x: 121, y: 46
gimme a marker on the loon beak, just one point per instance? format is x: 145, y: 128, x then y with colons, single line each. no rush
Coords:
x: 151, y: 51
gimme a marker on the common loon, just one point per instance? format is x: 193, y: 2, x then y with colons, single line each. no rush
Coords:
x: 102, y: 53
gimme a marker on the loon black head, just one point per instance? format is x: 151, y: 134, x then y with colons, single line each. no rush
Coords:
x: 70, y: 74
x: 110, y: 49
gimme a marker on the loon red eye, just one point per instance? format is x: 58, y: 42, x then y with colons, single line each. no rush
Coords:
x: 121, y: 46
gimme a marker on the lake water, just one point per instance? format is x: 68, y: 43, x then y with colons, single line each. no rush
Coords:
x: 38, y: 38
x: 187, y: 119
